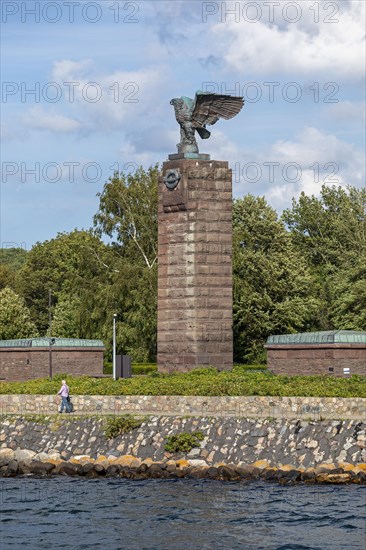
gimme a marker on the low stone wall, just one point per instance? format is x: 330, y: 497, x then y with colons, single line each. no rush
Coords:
x: 308, y: 408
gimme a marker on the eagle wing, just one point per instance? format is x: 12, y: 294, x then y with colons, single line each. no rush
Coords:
x: 209, y: 108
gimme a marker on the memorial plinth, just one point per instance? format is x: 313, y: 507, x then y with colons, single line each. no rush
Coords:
x: 195, y: 264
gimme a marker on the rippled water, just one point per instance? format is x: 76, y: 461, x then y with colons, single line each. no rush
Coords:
x: 113, y: 514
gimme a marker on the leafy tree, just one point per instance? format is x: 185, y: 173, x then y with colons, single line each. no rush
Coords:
x: 11, y: 260
x: 74, y: 265
x: 66, y: 322
x: 128, y: 212
x: 137, y: 330
x: 273, y: 288
x: 331, y: 229
x: 331, y: 232
x: 15, y: 319
x: 348, y: 296
x: 6, y: 277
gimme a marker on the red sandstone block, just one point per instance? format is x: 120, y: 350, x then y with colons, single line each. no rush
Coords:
x: 221, y: 172
x: 215, y: 314
x: 225, y: 216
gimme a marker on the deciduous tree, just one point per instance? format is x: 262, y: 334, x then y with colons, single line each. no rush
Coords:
x: 273, y: 288
x: 15, y: 319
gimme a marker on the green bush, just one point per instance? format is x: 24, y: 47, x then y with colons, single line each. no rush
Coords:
x: 203, y: 382
x: 183, y: 442
x: 144, y: 368
x: 238, y: 368
x: 118, y: 425
x: 107, y: 367
x: 137, y: 368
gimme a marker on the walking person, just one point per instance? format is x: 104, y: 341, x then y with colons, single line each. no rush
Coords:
x: 65, y: 400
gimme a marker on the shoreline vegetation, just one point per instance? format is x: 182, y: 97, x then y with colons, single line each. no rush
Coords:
x: 242, y: 380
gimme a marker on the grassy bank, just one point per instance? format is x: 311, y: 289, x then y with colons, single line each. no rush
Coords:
x: 241, y: 381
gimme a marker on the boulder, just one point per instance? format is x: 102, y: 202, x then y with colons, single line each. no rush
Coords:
x: 250, y: 471
x: 287, y: 467
x: 142, y: 468
x: 24, y: 468
x: 11, y: 469
x: 182, y: 463
x: 261, y: 464
x: 4, y: 462
x: 198, y: 463
x: 38, y: 467
x: 211, y: 473
x: 24, y: 455
x: 289, y: 477
x: 157, y: 471
x: 68, y: 469
x: 54, y: 456
x: 196, y: 472
x: 360, y: 478
x: 125, y: 460
x: 171, y: 466
x: 86, y: 468
x: 308, y: 476
x: 43, y: 457
x: 113, y: 470
x: 227, y: 473
x: 6, y: 455
x: 325, y: 468
x: 80, y: 458
x: 270, y: 474
x: 333, y: 478
x: 99, y: 468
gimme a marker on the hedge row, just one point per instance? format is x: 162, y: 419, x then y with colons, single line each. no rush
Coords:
x: 205, y: 381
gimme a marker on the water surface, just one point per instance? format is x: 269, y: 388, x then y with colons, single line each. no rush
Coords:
x: 113, y: 514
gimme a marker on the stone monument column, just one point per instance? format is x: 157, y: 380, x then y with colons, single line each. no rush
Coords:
x: 194, y: 264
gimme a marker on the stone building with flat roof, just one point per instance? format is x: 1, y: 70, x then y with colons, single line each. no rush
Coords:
x: 334, y: 352
x: 26, y: 359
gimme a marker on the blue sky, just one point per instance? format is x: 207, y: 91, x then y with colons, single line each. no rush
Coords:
x: 104, y: 74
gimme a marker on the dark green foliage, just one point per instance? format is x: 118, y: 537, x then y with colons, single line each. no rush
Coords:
x: 137, y: 368
x: 119, y: 425
x: 128, y: 213
x: 11, y: 260
x: 144, y: 368
x: 15, y: 318
x: 77, y: 268
x: 183, y: 442
x: 107, y: 367
x: 273, y: 287
x: 330, y: 231
x: 238, y: 382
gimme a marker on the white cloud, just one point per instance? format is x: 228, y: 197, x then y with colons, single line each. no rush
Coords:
x: 323, y: 159
x: 289, y: 166
x: 305, y: 47
x: 66, y: 70
x: 109, y: 101
x: 38, y: 119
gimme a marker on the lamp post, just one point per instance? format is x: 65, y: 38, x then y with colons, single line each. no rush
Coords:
x: 114, y: 345
x: 49, y: 336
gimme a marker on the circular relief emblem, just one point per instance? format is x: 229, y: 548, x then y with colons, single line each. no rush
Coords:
x: 172, y: 178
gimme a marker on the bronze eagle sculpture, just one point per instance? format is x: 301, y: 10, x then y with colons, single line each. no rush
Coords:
x: 206, y: 108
